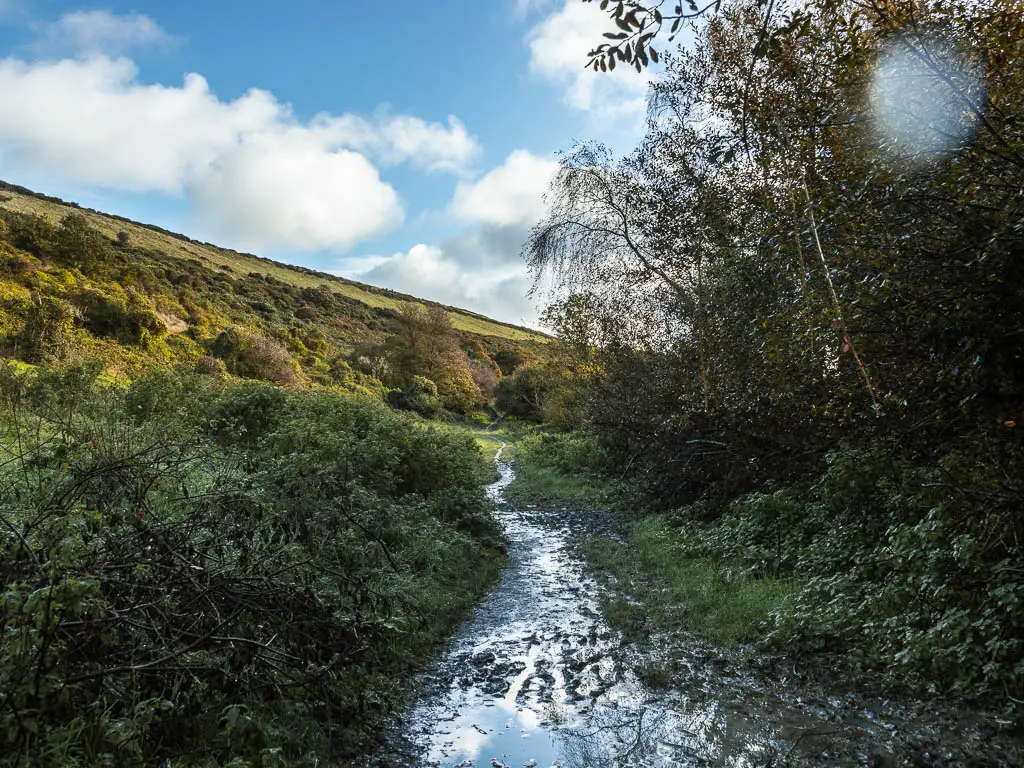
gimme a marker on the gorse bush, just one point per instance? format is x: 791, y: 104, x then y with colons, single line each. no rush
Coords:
x: 202, y: 573
x: 252, y: 356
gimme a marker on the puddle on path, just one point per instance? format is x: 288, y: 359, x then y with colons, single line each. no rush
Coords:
x: 536, y: 678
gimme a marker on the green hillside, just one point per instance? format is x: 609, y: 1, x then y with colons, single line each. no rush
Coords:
x: 79, y: 283
x: 151, y: 238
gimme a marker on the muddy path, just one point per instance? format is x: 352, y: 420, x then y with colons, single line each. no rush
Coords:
x: 537, y: 678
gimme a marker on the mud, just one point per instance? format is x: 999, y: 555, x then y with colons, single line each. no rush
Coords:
x: 536, y: 678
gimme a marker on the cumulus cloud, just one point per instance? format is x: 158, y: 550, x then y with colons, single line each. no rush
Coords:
x: 260, y: 177
x: 496, y: 290
x: 286, y: 190
x: 101, y: 32
x: 481, y: 268
x: 395, y: 139
x: 91, y: 122
x: 558, y: 52
x: 510, y: 195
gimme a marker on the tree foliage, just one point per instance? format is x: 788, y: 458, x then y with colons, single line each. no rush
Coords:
x: 780, y: 273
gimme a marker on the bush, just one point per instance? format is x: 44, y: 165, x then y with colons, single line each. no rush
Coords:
x: 208, y: 365
x: 899, y: 574
x: 49, y: 331
x: 240, y: 575
x: 127, y: 317
x: 30, y: 232
x: 252, y: 356
x: 561, y: 468
x: 523, y: 394
x: 419, y: 395
x: 76, y: 244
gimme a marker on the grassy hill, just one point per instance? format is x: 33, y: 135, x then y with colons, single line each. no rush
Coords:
x: 148, y: 237
x: 78, y: 283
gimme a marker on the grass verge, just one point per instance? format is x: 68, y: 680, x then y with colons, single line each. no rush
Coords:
x: 558, y: 469
x: 655, y: 588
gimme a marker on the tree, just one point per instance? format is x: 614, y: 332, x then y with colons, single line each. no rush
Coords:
x: 79, y: 245
x: 425, y: 344
x: 792, y: 272
x: 636, y: 26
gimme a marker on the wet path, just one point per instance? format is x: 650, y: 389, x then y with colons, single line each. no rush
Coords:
x: 536, y: 678
x: 533, y: 678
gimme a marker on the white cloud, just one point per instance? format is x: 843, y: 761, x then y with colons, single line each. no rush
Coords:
x: 92, y: 123
x: 284, y: 189
x: 558, y: 52
x: 101, y: 32
x: 509, y: 195
x: 394, y: 139
x: 481, y: 268
x: 498, y: 290
x: 259, y: 175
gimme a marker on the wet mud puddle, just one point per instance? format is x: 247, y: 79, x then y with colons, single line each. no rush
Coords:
x: 533, y: 678
x: 536, y: 679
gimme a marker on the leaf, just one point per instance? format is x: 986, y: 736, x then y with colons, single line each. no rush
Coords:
x: 654, y: 55
x: 616, y: 35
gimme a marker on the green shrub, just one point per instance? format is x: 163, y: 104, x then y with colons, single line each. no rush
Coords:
x: 127, y: 317
x: 560, y: 467
x: 203, y: 574
x: 523, y: 394
x: 252, y: 356
x: 49, y: 331
x: 419, y: 395
x: 899, y: 572
x: 76, y: 244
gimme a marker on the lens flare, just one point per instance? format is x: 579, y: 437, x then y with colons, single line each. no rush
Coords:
x: 926, y: 98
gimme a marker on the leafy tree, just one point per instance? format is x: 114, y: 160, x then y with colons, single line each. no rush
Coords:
x: 524, y: 393
x: 78, y: 245
x: 777, y: 281
x: 426, y: 345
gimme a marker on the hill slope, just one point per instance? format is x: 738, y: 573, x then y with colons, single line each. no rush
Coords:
x: 79, y: 283
x: 22, y: 200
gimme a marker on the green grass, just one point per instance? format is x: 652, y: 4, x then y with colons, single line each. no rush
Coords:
x: 547, y: 485
x: 558, y: 468
x: 240, y: 264
x: 658, y: 589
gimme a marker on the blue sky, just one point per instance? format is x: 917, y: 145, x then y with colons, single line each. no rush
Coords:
x: 406, y: 144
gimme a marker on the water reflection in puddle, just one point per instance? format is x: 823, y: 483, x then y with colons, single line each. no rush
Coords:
x: 537, y: 679
x: 533, y: 678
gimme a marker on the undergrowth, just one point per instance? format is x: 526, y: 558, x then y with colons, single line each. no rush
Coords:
x: 660, y: 590
x: 559, y: 468
x: 200, y: 573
